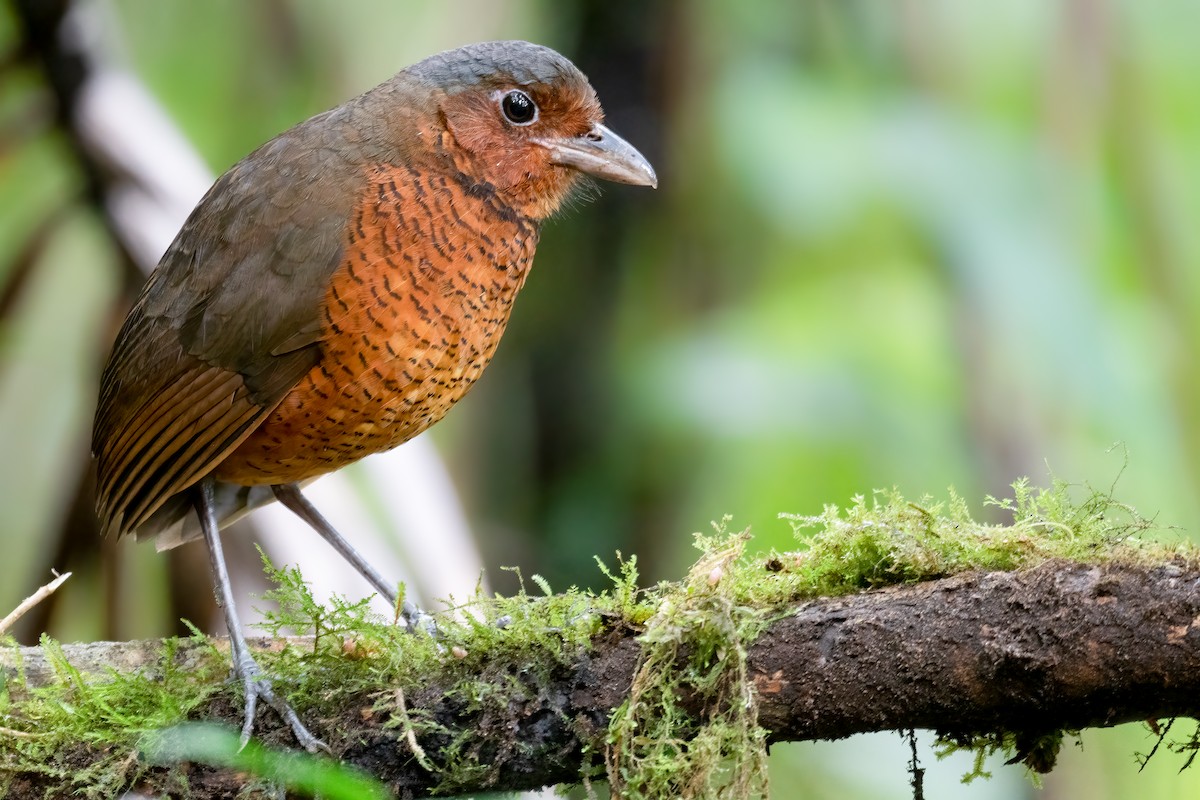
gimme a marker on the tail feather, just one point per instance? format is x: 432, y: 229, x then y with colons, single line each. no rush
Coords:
x: 175, y: 522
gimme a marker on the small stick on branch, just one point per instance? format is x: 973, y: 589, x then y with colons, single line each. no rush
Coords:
x: 31, y: 601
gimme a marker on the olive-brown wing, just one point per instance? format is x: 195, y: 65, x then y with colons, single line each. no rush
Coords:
x: 228, y: 322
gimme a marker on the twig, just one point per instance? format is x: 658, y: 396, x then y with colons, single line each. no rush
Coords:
x: 18, y: 734
x: 915, y: 770
x: 31, y: 601
x: 409, y: 735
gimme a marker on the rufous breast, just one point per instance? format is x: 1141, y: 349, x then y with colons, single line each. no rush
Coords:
x: 411, y: 318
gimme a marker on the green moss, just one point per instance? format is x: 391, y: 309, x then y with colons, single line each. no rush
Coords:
x: 890, y: 540
x: 478, y: 640
x: 110, y: 717
x: 1038, y: 753
x: 694, y: 648
x: 695, y: 637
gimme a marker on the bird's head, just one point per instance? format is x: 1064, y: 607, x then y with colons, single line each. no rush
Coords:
x: 523, y: 119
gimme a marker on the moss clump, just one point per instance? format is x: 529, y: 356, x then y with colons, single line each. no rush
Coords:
x: 891, y: 540
x: 694, y: 649
x: 357, y: 654
x: 48, y: 727
x: 355, y: 650
x: 1038, y: 753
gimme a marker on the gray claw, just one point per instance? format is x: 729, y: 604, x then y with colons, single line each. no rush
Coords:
x: 256, y: 686
x: 417, y: 620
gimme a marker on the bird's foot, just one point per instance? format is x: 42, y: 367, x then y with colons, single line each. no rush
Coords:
x: 417, y: 620
x: 255, y: 685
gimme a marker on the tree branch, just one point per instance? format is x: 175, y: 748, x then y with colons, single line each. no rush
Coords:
x: 1059, y: 646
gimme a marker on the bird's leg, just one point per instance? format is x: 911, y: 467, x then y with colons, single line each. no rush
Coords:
x: 289, y: 494
x: 245, y: 668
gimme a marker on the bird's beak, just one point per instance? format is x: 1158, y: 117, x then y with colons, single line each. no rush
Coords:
x: 602, y: 154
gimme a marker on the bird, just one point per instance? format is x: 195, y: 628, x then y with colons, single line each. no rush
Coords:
x: 333, y: 294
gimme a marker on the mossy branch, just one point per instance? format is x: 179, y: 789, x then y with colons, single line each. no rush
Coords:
x: 1060, y: 646
x: 997, y: 637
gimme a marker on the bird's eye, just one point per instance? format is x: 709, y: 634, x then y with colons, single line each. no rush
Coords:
x: 519, y: 108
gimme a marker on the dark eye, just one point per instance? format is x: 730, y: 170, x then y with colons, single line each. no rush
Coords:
x: 519, y: 108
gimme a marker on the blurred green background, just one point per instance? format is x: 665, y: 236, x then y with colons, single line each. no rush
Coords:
x: 918, y: 244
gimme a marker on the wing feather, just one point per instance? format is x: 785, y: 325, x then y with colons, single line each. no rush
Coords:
x: 139, y: 463
x: 229, y: 322
x: 158, y: 413
x: 193, y: 460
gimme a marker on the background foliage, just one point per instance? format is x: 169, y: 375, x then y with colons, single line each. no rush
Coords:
x: 917, y: 244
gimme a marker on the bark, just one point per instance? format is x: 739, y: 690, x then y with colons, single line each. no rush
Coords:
x: 1058, y: 646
